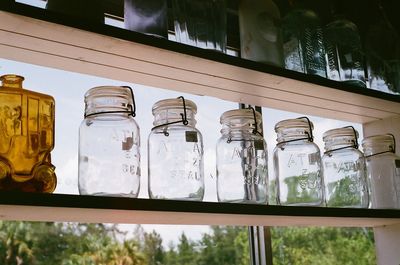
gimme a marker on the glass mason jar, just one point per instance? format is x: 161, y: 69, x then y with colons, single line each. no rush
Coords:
x: 200, y: 23
x: 344, y: 49
x: 297, y: 163
x: 175, y: 152
x: 303, y: 44
x: 382, y: 47
x: 260, y: 32
x: 26, y: 138
x: 344, y: 169
x: 383, y: 167
x: 109, y: 157
x: 146, y: 16
x: 242, y: 158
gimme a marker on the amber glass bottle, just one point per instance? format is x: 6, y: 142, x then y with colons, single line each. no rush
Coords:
x: 26, y: 138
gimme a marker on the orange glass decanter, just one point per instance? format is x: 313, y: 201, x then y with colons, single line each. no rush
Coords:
x: 26, y: 138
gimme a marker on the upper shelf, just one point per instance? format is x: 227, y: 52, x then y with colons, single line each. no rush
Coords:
x: 40, y: 37
x: 74, y: 208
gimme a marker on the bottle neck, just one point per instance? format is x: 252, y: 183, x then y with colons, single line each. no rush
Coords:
x: 12, y: 81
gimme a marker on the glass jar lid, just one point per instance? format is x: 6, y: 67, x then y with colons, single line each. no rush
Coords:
x: 379, y: 144
x: 109, y: 99
x: 241, y: 120
x: 174, y: 111
x: 174, y: 103
x: 349, y: 132
x: 376, y: 139
x: 294, y: 129
x: 340, y: 138
x: 236, y: 118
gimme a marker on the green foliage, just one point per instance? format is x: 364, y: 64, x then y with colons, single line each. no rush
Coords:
x: 325, y: 246
x: 97, y: 244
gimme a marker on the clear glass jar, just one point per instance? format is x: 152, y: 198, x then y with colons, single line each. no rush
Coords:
x: 260, y: 32
x: 297, y: 164
x: 344, y: 49
x: 109, y: 143
x: 175, y: 152
x: 383, y: 167
x: 344, y: 169
x: 303, y: 44
x: 242, y: 158
x: 200, y: 23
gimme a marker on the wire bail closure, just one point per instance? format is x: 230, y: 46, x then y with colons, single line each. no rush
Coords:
x: 392, y: 147
x: 184, y: 119
x: 310, y: 136
x: 131, y: 111
x: 255, y: 130
x: 355, y: 142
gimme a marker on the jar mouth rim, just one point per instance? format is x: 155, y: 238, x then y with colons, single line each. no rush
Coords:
x: 377, y: 139
x: 294, y: 124
x: 340, y: 132
x: 174, y: 103
x: 240, y: 114
x: 109, y: 91
x: 12, y: 78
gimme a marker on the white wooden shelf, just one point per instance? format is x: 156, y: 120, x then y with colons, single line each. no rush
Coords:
x: 94, y: 209
x: 54, y: 45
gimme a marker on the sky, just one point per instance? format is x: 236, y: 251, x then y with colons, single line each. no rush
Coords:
x: 68, y: 89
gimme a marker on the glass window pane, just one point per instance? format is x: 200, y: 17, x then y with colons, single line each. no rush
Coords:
x: 323, y: 245
x: 86, y: 244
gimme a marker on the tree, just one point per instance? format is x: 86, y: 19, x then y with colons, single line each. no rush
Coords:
x: 220, y: 247
x: 323, y: 246
x: 153, y: 249
x: 186, y: 251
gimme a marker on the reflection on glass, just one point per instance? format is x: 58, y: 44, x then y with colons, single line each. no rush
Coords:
x: 344, y: 50
x: 383, y: 54
x: 200, y: 23
x: 260, y: 32
x: 146, y: 16
x: 303, y: 45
